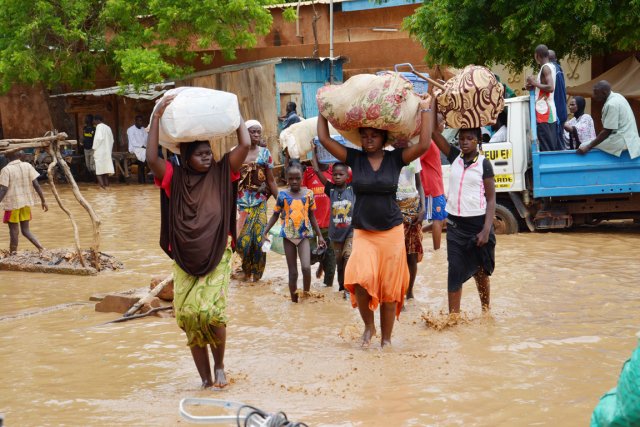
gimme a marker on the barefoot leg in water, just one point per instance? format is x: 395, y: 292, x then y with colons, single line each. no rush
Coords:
x: 362, y: 297
x: 291, y: 255
x: 201, y: 359
x: 14, y: 235
x: 436, y: 233
x: 483, y: 284
x: 387, y: 318
x: 412, y: 261
x: 304, y: 252
x: 220, y: 379
x: 454, y: 301
x: 26, y: 232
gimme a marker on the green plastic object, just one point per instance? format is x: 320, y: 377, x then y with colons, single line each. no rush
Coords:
x: 620, y: 406
x: 276, y: 241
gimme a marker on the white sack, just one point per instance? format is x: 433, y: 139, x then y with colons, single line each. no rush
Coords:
x: 298, y: 138
x: 198, y: 114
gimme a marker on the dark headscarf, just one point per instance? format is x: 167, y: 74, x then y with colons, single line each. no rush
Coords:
x: 200, y: 214
x: 581, y: 104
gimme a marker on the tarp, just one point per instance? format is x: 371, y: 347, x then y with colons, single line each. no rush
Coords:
x: 624, y: 79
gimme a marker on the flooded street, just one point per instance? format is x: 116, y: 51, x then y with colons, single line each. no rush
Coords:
x: 564, y: 319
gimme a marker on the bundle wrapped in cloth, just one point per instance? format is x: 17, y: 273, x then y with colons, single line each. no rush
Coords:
x: 198, y: 114
x: 385, y: 102
x: 298, y: 138
x: 472, y: 99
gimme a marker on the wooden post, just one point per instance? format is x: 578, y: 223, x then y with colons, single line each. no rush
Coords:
x: 116, y: 107
x: 95, y: 220
x: 50, y: 173
x: 53, y: 142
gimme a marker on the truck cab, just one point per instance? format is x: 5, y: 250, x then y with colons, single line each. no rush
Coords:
x: 557, y: 189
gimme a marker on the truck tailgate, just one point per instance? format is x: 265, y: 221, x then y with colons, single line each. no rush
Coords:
x: 565, y: 173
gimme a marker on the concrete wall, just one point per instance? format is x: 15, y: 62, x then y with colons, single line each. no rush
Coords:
x: 24, y: 113
x: 367, y: 51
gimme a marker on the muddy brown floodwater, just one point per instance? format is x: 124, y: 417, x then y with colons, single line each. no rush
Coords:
x: 564, y: 319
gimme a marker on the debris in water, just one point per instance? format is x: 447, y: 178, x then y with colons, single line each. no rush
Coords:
x: 61, y: 261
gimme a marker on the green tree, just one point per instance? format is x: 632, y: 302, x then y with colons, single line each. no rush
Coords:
x: 461, y: 32
x: 64, y: 42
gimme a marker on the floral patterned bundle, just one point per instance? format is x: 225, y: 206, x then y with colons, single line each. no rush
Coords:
x: 384, y: 102
x: 472, y: 99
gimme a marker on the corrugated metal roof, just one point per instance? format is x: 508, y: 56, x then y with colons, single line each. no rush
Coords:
x: 302, y: 3
x: 154, y: 91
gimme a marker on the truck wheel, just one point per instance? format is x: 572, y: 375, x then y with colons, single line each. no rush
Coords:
x: 505, y: 222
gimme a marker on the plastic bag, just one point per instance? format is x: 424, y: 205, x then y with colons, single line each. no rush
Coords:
x: 198, y: 114
x: 298, y: 138
x: 277, y: 245
x: 621, y: 405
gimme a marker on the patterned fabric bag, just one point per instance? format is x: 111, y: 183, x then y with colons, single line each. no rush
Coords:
x: 472, y: 99
x: 385, y: 102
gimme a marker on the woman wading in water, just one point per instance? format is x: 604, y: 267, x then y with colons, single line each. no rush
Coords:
x: 254, y: 188
x: 198, y: 211
x: 377, y: 272
x: 471, y: 206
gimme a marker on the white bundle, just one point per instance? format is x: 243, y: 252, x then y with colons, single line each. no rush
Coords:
x: 198, y: 114
x: 298, y: 138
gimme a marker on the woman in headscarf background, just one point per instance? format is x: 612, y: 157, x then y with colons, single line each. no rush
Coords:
x: 255, y: 186
x: 580, y: 128
x: 197, y: 228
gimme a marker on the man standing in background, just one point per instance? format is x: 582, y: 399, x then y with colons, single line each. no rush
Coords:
x: 544, y: 85
x: 87, y: 143
x: 559, y: 96
x: 137, y: 137
x: 291, y: 117
x: 102, y: 147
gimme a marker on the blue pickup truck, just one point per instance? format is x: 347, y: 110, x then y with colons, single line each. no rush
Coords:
x: 551, y: 190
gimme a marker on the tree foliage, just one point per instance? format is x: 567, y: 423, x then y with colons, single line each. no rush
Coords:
x: 461, y: 32
x: 64, y: 42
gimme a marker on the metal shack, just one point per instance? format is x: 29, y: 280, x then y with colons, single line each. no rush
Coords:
x: 264, y: 88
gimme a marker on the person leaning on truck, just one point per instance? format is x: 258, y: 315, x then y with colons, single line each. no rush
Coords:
x: 619, y: 131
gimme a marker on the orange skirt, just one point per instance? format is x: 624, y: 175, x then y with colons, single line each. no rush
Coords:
x: 378, y: 263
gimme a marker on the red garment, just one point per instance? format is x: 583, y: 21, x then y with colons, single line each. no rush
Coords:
x: 431, y: 173
x: 323, y: 203
x: 168, y: 174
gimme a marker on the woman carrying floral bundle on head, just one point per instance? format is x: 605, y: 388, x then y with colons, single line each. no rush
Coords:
x: 377, y: 272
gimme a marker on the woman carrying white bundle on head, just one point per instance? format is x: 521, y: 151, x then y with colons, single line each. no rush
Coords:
x: 197, y: 227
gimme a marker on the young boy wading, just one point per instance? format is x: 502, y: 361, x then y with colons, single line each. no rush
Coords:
x: 18, y: 189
